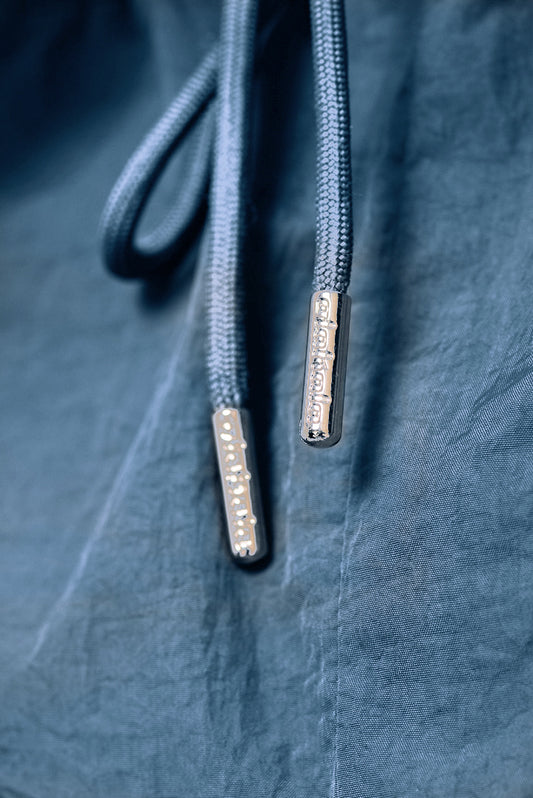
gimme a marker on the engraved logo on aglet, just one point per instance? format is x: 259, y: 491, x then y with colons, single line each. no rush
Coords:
x: 322, y: 355
x: 323, y: 396
x: 235, y: 477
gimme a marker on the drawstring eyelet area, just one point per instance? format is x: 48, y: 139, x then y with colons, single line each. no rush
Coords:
x: 221, y: 129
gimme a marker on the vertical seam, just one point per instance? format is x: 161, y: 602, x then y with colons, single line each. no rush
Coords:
x: 336, y: 793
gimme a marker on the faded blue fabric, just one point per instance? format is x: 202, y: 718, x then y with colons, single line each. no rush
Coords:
x: 387, y: 650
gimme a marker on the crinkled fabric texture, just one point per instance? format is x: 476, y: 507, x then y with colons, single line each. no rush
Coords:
x: 387, y: 650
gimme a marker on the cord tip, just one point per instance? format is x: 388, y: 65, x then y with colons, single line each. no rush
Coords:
x: 240, y: 485
x: 325, y: 370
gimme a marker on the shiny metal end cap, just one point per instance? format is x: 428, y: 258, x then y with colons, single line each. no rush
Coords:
x: 325, y: 369
x: 240, y: 485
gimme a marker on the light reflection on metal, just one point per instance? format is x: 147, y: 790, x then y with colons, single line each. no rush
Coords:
x: 240, y: 486
x: 325, y: 371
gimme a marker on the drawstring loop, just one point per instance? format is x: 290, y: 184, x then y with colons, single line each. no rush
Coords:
x: 123, y: 255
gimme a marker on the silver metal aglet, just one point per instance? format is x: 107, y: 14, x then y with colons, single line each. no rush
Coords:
x: 240, y: 485
x: 325, y: 369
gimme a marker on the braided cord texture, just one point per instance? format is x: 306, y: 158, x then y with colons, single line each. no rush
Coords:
x: 334, y: 236
x: 124, y: 255
x: 226, y: 358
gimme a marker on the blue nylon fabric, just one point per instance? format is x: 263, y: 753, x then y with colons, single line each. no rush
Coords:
x: 386, y: 652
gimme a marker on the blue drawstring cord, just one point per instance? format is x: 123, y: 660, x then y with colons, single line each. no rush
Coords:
x: 123, y: 254
x: 334, y: 214
x: 226, y: 349
x: 145, y: 258
x: 227, y: 71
